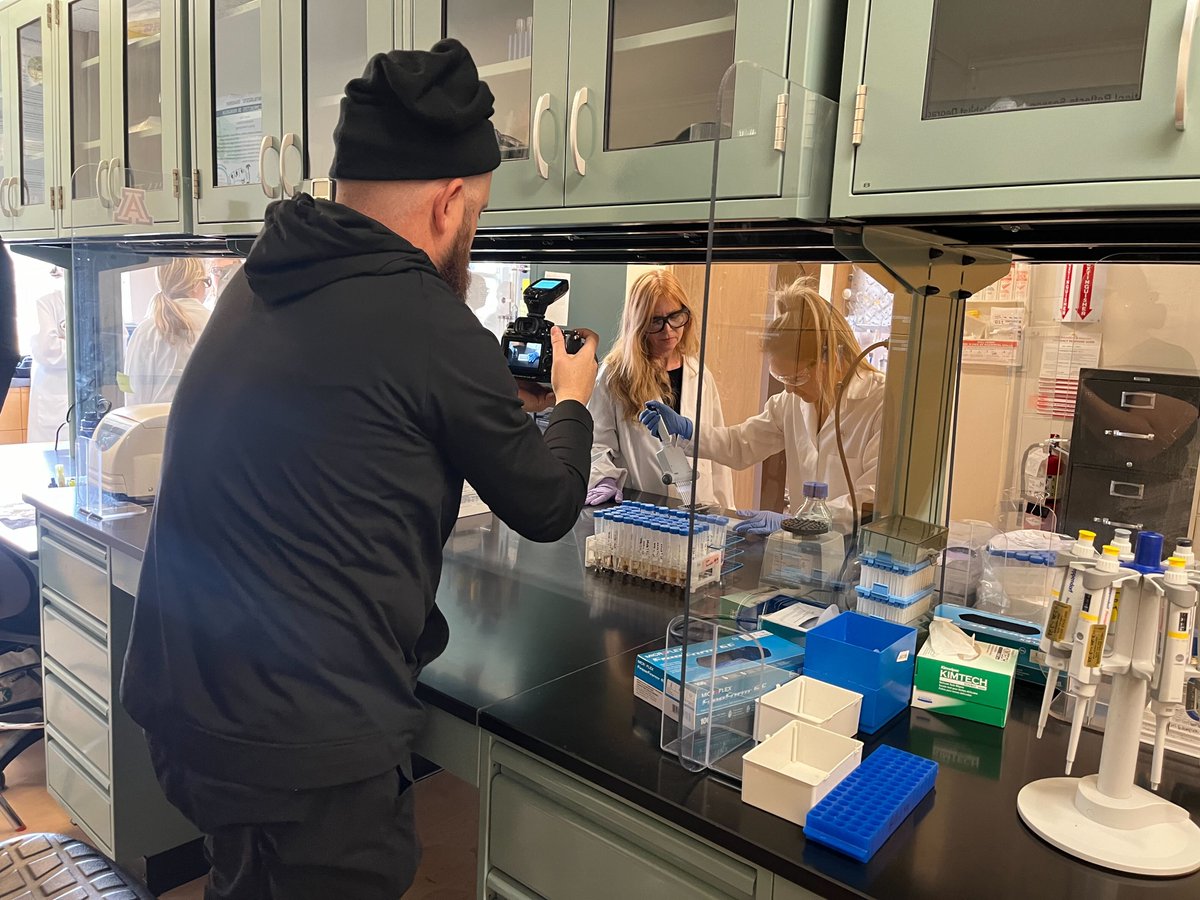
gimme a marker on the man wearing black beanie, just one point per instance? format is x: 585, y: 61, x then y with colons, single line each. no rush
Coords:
x: 313, y: 469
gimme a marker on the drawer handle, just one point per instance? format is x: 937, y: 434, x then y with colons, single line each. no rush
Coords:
x: 1138, y: 400
x: 1135, y: 491
x: 1184, y: 63
x: 1132, y: 435
x: 1104, y: 520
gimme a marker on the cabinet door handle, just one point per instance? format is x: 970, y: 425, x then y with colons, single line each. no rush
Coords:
x: 1184, y: 63
x: 1138, y: 399
x: 291, y: 139
x: 15, y: 204
x: 1105, y: 520
x: 101, y: 168
x: 268, y: 143
x: 1133, y: 435
x: 1127, y: 490
x: 543, y: 106
x: 3, y: 196
x: 114, y: 192
x: 577, y: 103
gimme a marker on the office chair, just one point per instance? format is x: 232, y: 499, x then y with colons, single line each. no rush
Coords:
x: 22, y: 721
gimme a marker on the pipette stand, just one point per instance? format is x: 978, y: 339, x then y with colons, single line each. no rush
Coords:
x: 1106, y: 819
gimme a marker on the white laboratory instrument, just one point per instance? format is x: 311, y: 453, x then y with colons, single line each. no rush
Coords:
x: 1061, y: 619
x: 675, y: 465
x: 1106, y: 819
x: 130, y: 443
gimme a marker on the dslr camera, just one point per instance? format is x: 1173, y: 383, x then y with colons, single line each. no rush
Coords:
x: 526, y: 342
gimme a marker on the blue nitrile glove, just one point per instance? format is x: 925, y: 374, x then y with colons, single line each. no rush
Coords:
x: 675, y: 423
x: 758, y: 521
x: 602, y: 491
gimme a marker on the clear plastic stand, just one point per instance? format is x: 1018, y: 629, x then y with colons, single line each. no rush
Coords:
x: 91, y: 494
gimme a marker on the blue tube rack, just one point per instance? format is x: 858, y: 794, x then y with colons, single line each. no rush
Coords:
x: 860, y: 814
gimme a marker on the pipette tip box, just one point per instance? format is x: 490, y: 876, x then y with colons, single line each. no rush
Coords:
x: 881, y: 603
x: 860, y: 814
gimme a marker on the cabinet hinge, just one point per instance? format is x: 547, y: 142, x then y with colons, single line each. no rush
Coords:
x: 195, y: 184
x: 61, y: 205
x: 175, y: 183
x: 781, y: 121
x: 49, y: 15
x: 53, y: 197
x: 58, y: 13
x: 860, y: 113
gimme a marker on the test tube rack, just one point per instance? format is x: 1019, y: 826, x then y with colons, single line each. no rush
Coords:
x: 650, y: 543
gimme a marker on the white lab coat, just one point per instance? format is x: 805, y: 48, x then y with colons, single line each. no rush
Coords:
x: 154, y: 365
x: 622, y: 448
x: 788, y: 423
x: 48, y: 379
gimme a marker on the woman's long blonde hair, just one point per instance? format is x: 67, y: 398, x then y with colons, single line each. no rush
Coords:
x: 177, y: 281
x: 808, y: 328
x: 634, y: 378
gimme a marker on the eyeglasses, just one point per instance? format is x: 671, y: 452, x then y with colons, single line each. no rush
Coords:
x: 798, y: 380
x: 677, y: 319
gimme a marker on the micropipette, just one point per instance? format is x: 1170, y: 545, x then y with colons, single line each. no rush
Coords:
x: 1091, y: 632
x: 1060, y: 620
x: 1175, y: 658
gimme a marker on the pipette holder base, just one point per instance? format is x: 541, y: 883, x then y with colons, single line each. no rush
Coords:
x: 1142, y: 835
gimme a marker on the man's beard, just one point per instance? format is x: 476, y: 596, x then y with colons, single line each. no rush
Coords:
x: 453, y: 268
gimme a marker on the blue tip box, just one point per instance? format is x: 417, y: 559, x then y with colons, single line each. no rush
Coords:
x: 860, y: 814
x: 867, y: 655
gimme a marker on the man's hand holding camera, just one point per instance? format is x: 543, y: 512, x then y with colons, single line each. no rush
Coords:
x: 572, y: 377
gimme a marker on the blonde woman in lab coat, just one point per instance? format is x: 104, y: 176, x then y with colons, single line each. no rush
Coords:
x: 653, y: 359
x: 810, y: 348
x: 162, y: 343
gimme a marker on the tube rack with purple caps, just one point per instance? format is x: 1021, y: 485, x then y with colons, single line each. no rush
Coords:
x: 650, y: 542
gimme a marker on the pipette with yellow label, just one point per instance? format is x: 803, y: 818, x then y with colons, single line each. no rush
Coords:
x: 1060, y: 619
x: 1090, y: 634
x: 1175, y: 657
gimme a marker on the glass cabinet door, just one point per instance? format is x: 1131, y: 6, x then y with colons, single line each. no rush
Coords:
x: 328, y: 43
x: 147, y: 122
x: 238, y: 108
x: 86, y: 150
x: 520, y: 48
x: 646, y: 79
x: 1025, y: 92
x: 27, y: 193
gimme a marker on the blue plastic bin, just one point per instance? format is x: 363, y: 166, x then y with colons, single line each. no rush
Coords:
x: 867, y: 655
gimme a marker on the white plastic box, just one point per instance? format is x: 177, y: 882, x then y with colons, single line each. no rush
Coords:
x: 806, y: 699
x: 791, y: 772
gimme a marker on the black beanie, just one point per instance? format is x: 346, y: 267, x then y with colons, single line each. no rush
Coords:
x: 416, y: 115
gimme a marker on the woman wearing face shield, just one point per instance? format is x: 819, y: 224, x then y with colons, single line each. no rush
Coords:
x: 810, y: 348
x: 654, y: 359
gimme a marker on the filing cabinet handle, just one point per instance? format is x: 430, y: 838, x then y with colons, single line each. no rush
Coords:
x: 114, y: 192
x: 101, y: 168
x: 1184, y: 63
x: 1134, y: 399
x: 543, y: 167
x: 577, y: 103
x: 1132, y: 435
x: 3, y: 198
x: 268, y: 143
x: 290, y: 140
x: 1104, y: 520
x: 1136, y: 491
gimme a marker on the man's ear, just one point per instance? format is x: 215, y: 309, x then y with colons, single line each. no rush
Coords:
x: 449, y: 204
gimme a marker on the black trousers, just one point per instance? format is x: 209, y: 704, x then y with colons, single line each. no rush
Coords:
x: 353, y: 840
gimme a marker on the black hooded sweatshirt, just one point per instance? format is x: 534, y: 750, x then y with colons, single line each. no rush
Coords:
x: 313, y: 470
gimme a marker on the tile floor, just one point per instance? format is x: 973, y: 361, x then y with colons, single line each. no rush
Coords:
x: 447, y: 818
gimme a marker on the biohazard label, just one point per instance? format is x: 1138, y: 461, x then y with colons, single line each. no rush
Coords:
x: 1060, y: 620
x: 1095, y: 645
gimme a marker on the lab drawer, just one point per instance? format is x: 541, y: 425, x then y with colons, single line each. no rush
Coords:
x: 74, y: 648
x: 76, y: 569
x: 1141, y: 423
x: 78, y: 791
x: 1104, y: 499
x: 77, y: 722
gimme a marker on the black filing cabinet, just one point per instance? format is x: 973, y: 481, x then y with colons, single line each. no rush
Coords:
x: 1135, y: 446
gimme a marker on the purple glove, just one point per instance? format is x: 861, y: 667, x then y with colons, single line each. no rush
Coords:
x: 758, y: 521
x: 603, y: 491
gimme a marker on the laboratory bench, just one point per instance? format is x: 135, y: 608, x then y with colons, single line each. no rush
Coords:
x: 533, y: 702
x: 23, y: 466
